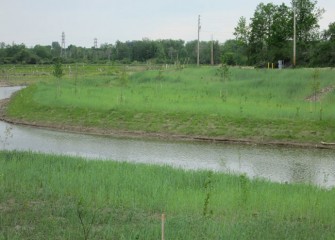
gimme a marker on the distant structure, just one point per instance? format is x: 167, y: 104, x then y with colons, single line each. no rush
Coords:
x: 212, y: 51
x: 63, y: 53
x: 95, y: 43
x: 198, y: 47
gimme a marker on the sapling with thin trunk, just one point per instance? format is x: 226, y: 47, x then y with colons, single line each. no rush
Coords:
x: 123, y: 82
x: 316, y: 89
x: 58, y: 73
x: 224, y: 73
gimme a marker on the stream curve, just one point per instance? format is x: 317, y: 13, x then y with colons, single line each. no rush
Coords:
x: 278, y: 164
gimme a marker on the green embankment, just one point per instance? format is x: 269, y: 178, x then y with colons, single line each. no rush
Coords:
x: 261, y: 105
x: 58, y: 197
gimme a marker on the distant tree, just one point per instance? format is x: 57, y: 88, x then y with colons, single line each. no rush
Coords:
x: 123, y: 52
x: 308, y: 16
x: 160, y: 53
x: 191, y: 49
x: 271, y: 31
x: 261, y: 32
x: 205, y: 51
x: 242, y: 31
x: 235, y: 52
x: 43, y: 52
x: 329, y: 34
x: 323, y: 53
x: 107, y: 51
x: 56, y: 50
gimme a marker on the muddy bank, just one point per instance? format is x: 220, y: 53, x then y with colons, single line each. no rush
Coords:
x: 5, y: 84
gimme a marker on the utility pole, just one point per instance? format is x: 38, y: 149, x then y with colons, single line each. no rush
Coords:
x: 198, y: 50
x: 212, y: 52
x: 294, y: 33
x: 95, y: 43
x: 62, y: 52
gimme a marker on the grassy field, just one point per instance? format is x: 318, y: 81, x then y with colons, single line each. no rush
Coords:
x: 58, y: 197
x: 257, y: 104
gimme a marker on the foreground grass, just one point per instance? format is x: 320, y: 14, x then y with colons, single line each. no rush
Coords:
x: 58, y: 197
x: 261, y: 105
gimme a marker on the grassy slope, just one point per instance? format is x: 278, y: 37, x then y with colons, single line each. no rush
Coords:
x: 254, y: 104
x: 42, y: 197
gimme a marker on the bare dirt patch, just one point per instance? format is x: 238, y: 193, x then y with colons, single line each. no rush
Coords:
x: 4, y: 84
x: 319, y: 95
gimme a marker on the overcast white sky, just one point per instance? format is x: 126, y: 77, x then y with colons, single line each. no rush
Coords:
x: 42, y: 21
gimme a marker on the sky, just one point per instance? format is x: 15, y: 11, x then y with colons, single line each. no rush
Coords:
x: 33, y: 22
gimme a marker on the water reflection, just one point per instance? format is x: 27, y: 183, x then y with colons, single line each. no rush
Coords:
x: 276, y: 164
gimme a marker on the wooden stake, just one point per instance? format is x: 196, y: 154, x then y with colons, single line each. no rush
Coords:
x: 163, y: 226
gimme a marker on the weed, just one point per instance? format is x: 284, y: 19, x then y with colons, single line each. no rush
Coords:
x: 208, y: 190
x: 82, y: 213
x: 7, y: 135
x: 244, y: 190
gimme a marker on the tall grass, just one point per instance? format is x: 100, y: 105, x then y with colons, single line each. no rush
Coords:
x: 190, y: 101
x: 56, y: 197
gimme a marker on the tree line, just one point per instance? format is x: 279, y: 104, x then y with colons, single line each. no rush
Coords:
x: 156, y: 51
x: 267, y: 37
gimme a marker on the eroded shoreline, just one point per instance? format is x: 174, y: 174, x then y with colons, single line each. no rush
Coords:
x: 160, y: 136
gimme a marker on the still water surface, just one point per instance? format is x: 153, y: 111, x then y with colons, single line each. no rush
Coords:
x: 278, y: 164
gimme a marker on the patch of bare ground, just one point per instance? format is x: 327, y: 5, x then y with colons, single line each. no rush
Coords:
x: 4, y: 83
x: 319, y: 95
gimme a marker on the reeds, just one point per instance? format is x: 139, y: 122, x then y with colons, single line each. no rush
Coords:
x: 60, y: 197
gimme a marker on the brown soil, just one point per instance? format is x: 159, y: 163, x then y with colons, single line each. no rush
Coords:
x: 4, y: 83
x: 319, y: 95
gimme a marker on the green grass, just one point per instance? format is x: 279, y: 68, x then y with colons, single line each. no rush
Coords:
x: 45, y: 196
x: 262, y: 105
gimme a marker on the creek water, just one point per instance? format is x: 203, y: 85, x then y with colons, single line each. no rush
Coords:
x: 278, y: 164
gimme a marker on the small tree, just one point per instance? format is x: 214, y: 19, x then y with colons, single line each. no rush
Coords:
x: 224, y: 73
x: 316, y: 89
x: 58, y: 72
x: 123, y: 82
